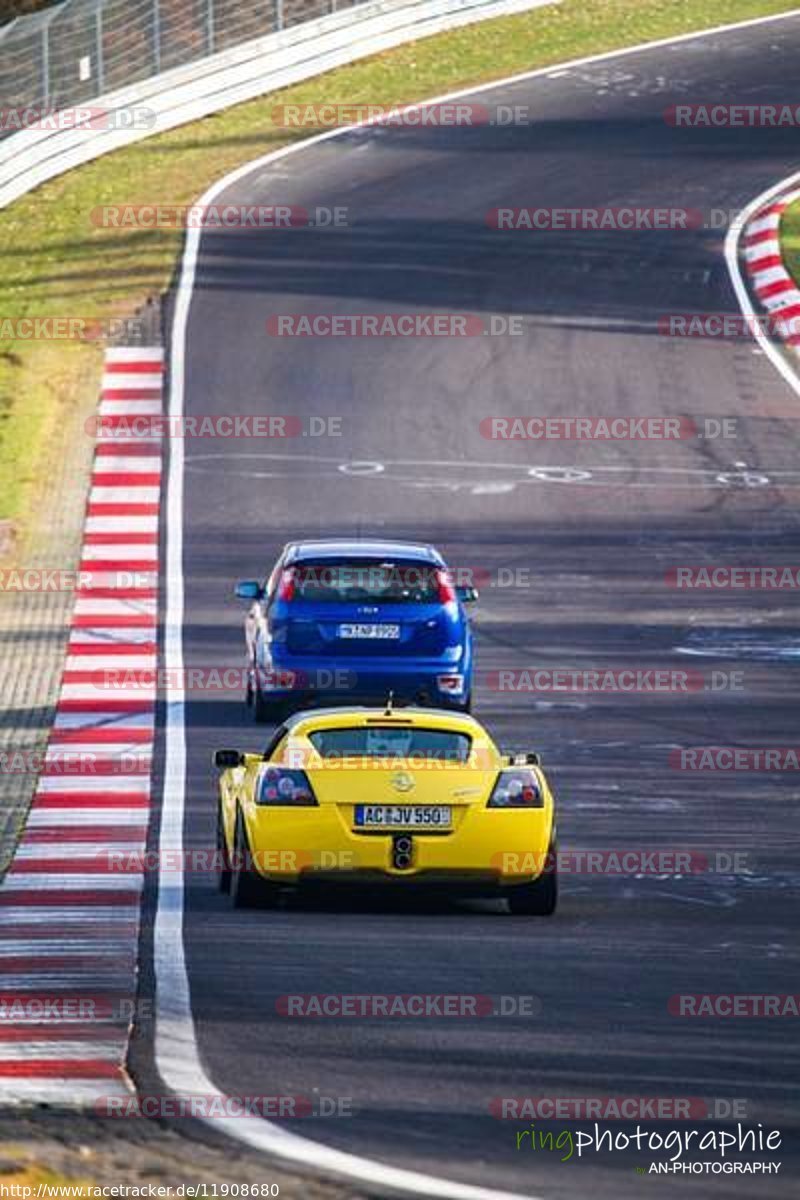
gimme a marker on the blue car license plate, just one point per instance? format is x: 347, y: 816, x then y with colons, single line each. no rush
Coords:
x: 369, y: 631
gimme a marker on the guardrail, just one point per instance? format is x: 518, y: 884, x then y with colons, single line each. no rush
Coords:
x: 74, y: 50
x: 186, y: 93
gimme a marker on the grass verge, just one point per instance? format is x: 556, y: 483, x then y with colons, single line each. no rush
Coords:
x: 790, y: 239
x: 55, y: 263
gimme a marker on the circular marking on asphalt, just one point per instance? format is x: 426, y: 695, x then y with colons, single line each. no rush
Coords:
x: 747, y: 479
x: 559, y: 474
x: 765, y: 645
x: 465, y: 476
x: 362, y: 468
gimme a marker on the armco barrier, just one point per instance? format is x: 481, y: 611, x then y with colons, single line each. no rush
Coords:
x: 32, y: 156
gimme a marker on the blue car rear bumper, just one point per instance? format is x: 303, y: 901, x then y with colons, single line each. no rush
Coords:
x: 302, y: 682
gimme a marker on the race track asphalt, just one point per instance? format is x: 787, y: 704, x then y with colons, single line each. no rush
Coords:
x: 590, y: 550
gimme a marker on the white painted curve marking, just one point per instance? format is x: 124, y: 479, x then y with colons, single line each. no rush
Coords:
x: 176, y: 1050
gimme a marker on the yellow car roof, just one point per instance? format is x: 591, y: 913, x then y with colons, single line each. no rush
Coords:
x: 431, y: 718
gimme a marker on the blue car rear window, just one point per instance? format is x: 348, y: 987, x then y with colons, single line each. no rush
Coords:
x: 369, y: 582
x: 385, y: 741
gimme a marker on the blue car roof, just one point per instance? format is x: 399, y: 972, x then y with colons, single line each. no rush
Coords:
x: 340, y: 548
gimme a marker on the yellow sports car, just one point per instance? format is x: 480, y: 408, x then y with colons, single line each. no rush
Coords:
x: 404, y: 796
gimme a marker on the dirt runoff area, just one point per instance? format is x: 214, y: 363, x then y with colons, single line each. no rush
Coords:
x: 47, y: 1153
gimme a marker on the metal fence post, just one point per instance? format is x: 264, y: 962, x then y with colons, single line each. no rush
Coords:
x: 98, y: 38
x: 157, y: 35
x: 279, y: 15
x: 46, y: 65
x: 210, y: 26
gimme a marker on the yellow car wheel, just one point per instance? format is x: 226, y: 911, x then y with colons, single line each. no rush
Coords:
x: 223, y: 863
x: 248, y: 888
x: 540, y: 898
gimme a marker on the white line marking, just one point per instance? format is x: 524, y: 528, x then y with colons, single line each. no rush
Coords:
x: 82, y: 916
x: 43, y: 851
x: 65, y: 947
x: 74, y: 722
x: 130, y: 408
x: 115, y: 662
x: 764, y: 224
x: 111, y: 606
x: 60, y: 981
x: 147, y: 464
x: 109, y: 637
x: 41, y: 815
x: 20, y: 881
x: 176, y: 1049
x: 102, y: 493
x: 122, y: 551
x: 63, y: 1051
x: 122, y: 524
x: 144, y: 381
x: 91, y: 783
x: 127, y: 354
x: 52, y: 1091
x: 771, y: 275
x: 734, y: 236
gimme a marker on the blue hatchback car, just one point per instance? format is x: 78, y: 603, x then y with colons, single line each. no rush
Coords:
x: 352, y: 621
